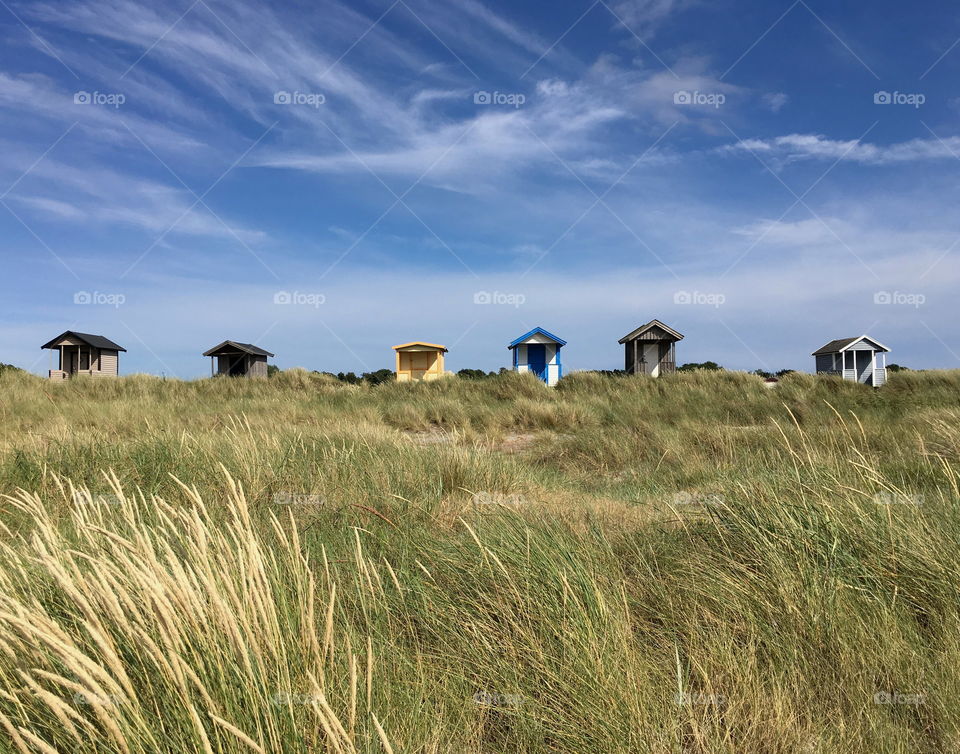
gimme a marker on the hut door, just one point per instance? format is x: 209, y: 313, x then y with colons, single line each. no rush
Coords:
x: 864, y: 366
x: 420, y: 363
x: 537, y: 360
x: 651, y: 358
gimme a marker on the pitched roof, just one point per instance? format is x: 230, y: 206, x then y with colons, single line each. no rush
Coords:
x: 242, y: 347
x: 842, y: 344
x: 94, y: 341
x: 651, y: 324
x: 420, y: 343
x: 537, y: 331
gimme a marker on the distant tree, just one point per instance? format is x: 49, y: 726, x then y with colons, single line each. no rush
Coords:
x: 897, y: 368
x: 761, y: 373
x: 692, y: 366
x: 349, y: 377
x: 784, y: 372
x: 478, y: 374
x: 272, y: 369
x: 378, y: 377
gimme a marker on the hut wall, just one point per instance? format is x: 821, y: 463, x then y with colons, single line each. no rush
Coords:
x: 258, y: 366
x: 109, y: 363
x: 824, y: 363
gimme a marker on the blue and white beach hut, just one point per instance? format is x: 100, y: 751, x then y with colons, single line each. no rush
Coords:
x: 539, y: 352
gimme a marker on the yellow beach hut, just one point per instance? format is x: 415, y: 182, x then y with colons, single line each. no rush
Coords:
x: 419, y: 361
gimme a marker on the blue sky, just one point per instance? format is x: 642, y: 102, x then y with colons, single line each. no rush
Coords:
x: 328, y: 180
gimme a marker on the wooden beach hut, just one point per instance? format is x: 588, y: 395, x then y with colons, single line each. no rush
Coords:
x: 81, y: 353
x: 238, y: 359
x: 854, y: 359
x: 538, y: 351
x: 419, y: 361
x: 651, y: 349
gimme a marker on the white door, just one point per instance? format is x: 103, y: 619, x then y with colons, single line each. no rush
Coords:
x: 651, y: 355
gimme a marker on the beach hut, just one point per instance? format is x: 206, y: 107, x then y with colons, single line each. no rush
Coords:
x: 419, y: 361
x: 81, y: 353
x: 539, y: 352
x: 238, y: 359
x: 651, y: 349
x: 854, y: 359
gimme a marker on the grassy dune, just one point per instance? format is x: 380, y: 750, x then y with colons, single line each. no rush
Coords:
x: 691, y: 564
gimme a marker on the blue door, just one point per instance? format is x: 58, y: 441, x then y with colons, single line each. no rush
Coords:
x: 537, y: 360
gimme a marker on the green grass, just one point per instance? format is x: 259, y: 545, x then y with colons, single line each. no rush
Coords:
x: 691, y: 564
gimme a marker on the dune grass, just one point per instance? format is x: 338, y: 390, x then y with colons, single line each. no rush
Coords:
x: 691, y: 564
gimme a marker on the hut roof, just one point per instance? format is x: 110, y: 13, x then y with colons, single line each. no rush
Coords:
x: 842, y: 344
x: 537, y: 331
x: 94, y: 341
x: 232, y: 346
x: 420, y: 343
x: 650, y: 325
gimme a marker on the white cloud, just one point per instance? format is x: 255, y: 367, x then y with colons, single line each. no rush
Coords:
x: 793, y: 147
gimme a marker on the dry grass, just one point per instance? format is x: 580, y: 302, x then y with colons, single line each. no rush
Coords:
x: 696, y: 564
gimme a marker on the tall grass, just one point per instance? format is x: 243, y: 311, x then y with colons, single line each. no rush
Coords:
x: 695, y: 564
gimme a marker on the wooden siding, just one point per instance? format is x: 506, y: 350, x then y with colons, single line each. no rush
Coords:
x: 258, y: 366
x: 824, y: 363
x: 109, y: 363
